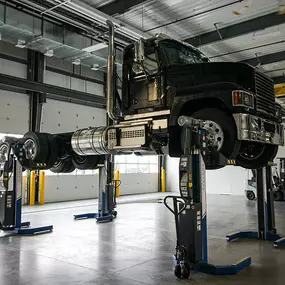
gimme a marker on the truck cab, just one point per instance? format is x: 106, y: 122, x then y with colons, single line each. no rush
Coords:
x: 236, y: 99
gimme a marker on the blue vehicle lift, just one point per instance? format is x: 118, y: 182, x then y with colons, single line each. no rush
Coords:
x: 265, y: 211
x: 107, y: 196
x: 11, y: 201
x: 189, y: 208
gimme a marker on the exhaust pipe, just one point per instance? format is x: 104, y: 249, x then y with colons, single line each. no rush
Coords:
x: 111, y: 76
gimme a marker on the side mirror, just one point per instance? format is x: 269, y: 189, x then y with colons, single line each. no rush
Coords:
x: 139, y: 51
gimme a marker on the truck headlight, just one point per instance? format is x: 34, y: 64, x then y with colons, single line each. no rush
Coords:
x: 243, y: 98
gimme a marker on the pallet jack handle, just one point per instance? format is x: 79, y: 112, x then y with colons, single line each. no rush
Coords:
x: 177, y: 200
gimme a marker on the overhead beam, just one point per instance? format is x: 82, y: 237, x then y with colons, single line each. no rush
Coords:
x: 119, y: 6
x: 246, y: 27
x: 55, y: 91
x: 266, y: 59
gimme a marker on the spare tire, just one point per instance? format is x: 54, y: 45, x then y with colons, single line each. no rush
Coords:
x: 85, y: 162
x: 63, y: 166
x: 36, y: 146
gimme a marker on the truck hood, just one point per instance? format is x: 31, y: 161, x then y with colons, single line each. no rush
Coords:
x: 181, y: 76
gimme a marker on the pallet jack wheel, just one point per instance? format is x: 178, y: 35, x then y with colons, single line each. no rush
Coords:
x: 115, y: 213
x: 177, y: 271
x: 185, y: 271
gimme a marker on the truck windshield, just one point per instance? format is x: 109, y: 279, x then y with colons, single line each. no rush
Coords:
x: 177, y: 53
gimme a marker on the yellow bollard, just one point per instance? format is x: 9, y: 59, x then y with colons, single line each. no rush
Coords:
x: 24, y: 189
x: 32, y: 188
x: 42, y: 187
x: 163, y: 180
x: 117, y: 179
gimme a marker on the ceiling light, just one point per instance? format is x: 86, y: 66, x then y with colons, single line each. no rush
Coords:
x: 95, y: 67
x: 95, y: 47
x: 21, y: 44
x: 76, y: 61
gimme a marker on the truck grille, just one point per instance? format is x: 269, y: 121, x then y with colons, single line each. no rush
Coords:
x: 265, y: 94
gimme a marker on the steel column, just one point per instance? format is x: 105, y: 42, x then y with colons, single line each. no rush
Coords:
x: 35, y: 68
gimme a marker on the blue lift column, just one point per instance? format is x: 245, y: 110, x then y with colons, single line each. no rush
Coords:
x: 106, y: 195
x: 11, y: 202
x: 265, y: 211
x: 190, y: 208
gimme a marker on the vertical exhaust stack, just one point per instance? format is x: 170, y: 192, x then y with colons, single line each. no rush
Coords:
x: 111, y: 76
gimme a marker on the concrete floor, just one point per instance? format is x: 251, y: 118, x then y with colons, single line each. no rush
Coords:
x: 136, y: 248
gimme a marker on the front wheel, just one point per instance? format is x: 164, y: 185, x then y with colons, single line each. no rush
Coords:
x: 254, y: 155
x: 224, y: 128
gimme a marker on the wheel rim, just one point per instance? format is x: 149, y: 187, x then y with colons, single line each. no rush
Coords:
x: 252, y: 151
x: 80, y: 159
x: 4, y: 149
x: 30, y: 149
x: 215, y: 134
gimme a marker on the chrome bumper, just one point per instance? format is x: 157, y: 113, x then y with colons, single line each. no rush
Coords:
x: 252, y: 128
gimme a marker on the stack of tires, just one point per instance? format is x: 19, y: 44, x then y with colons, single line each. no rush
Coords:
x: 57, y: 154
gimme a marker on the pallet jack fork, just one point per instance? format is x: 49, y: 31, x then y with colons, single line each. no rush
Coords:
x: 265, y: 211
x: 11, y: 201
x: 107, y: 196
x: 189, y: 209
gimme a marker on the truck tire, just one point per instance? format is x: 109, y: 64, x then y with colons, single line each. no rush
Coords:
x: 53, y: 152
x: 63, y: 166
x: 231, y: 145
x: 36, y: 146
x: 255, y: 155
x: 85, y: 162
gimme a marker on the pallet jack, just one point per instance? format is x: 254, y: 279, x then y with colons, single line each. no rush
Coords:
x: 11, y: 196
x: 189, y: 209
x: 107, y: 196
x: 265, y: 211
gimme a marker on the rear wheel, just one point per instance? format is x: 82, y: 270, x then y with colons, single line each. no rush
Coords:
x: 85, y: 162
x: 255, y: 155
x: 63, y: 166
x: 36, y: 146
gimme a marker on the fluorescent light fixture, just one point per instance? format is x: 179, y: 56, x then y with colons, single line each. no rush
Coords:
x: 95, y: 47
x: 95, y: 67
x: 21, y: 44
x: 49, y: 53
x: 76, y: 61
x: 268, y: 33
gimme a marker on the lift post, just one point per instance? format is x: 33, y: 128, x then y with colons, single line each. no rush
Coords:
x: 265, y: 211
x: 106, y: 196
x: 189, y: 209
x: 11, y: 201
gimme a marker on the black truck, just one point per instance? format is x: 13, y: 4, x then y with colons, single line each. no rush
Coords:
x: 162, y: 79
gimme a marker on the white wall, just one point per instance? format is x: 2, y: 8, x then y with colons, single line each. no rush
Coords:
x: 73, y: 83
x: 14, y: 112
x: 228, y: 180
x: 72, y: 187
x: 61, y: 117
